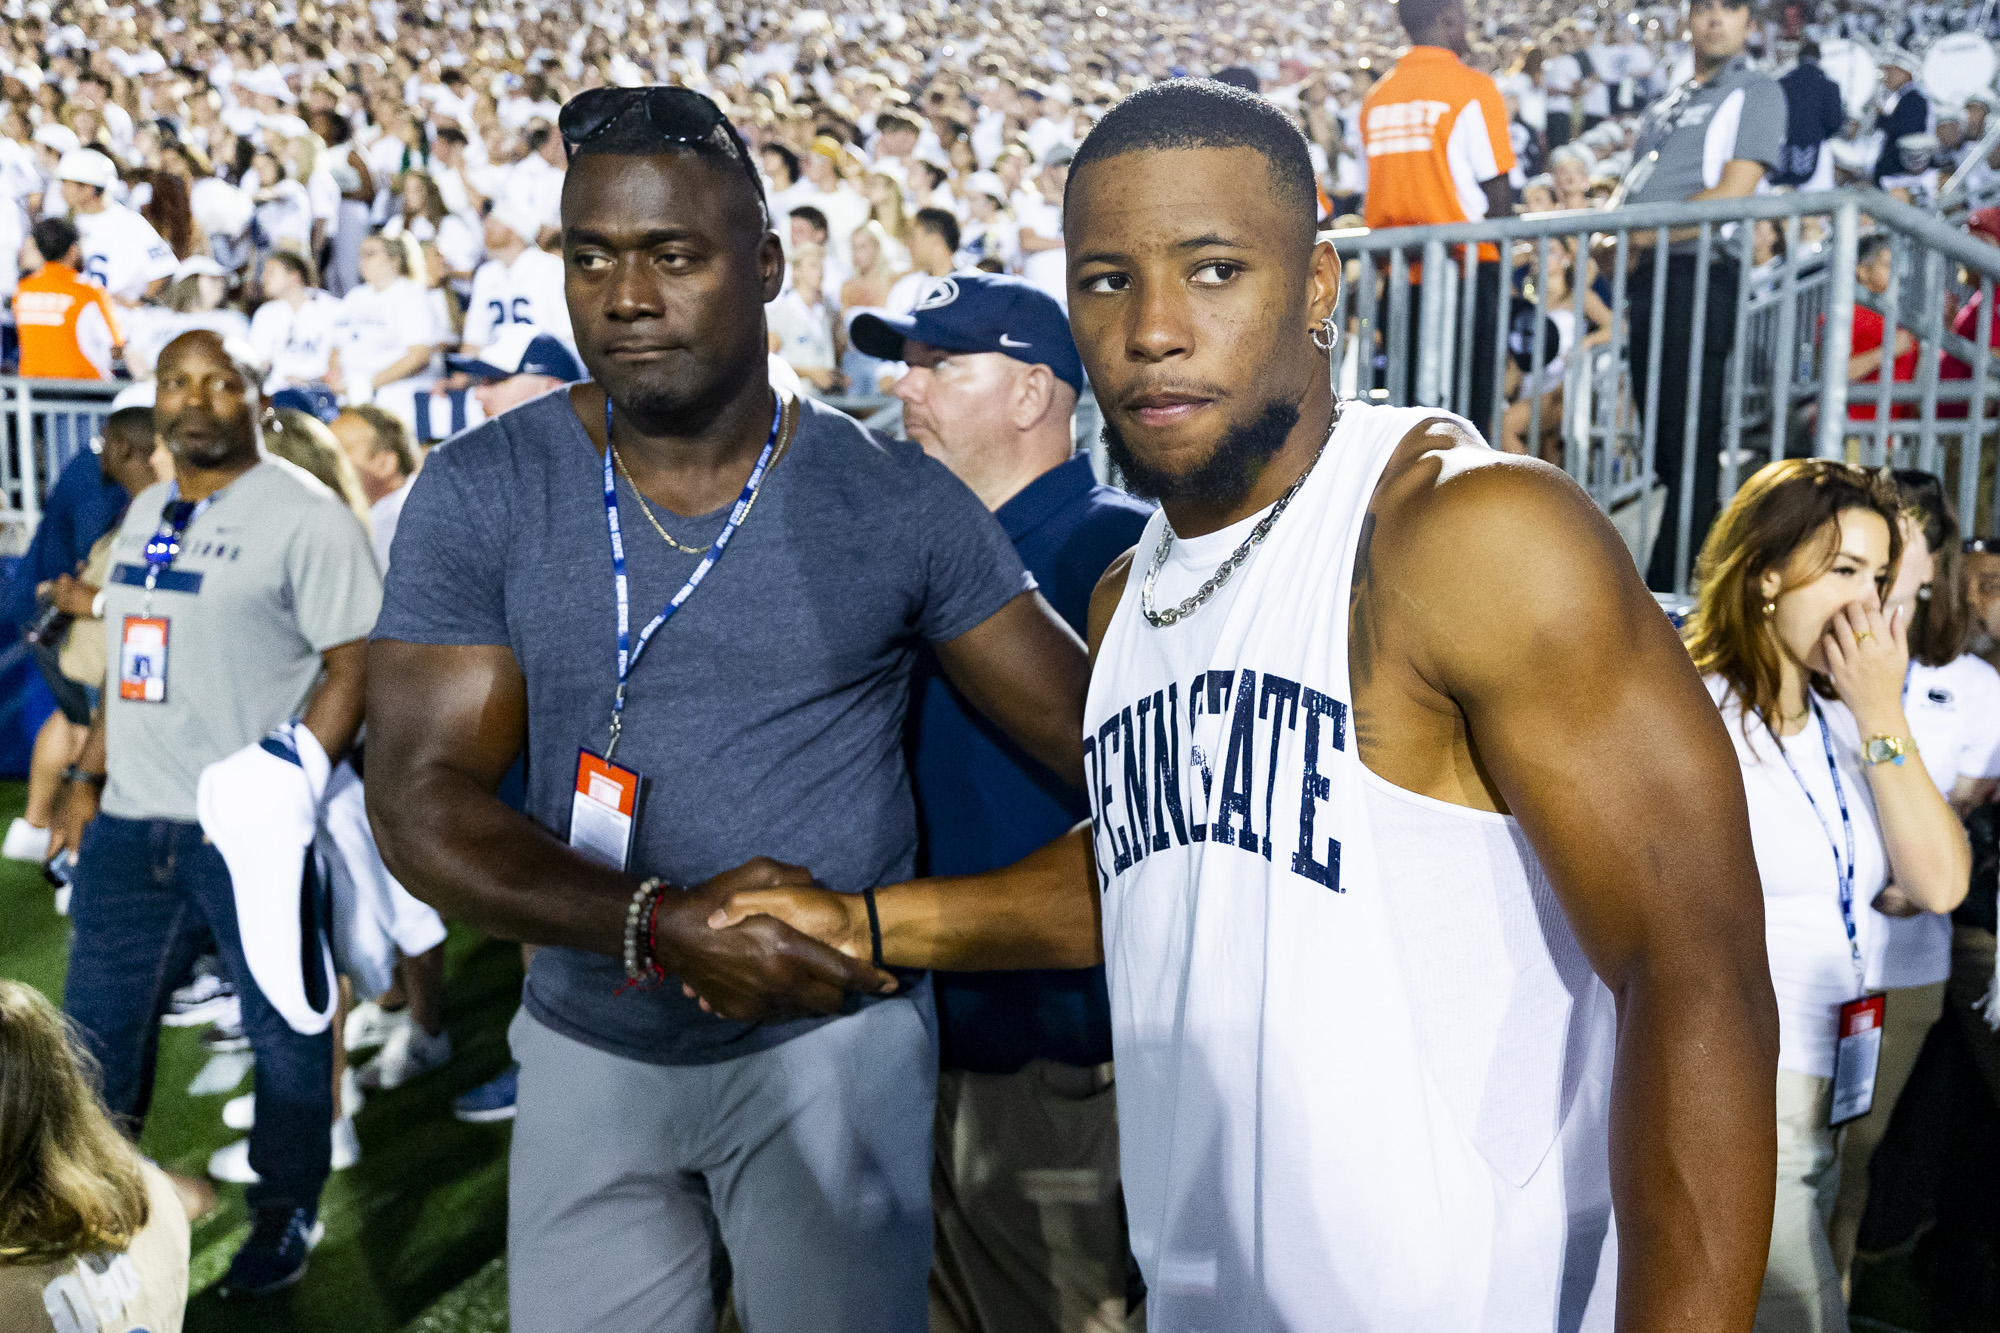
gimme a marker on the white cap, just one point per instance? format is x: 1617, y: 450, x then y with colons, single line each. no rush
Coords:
x: 267, y: 81
x: 200, y: 266
x: 87, y: 166
x: 59, y: 137
x: 517, y: 220
x: 1949, y: 111
x: 140, y: 394
x: 986, y: 182
x: 1897, y: 56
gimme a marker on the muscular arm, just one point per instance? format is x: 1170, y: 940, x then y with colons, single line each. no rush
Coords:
x: 1586, y: 719
x: 1026, y: 671
x: 333, y: 714
x: 1040, y: 912
x: 445, y: 724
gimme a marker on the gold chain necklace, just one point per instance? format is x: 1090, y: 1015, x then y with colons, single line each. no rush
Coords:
x: 784, y: 445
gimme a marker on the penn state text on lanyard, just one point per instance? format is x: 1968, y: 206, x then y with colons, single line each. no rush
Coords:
x: 628, y: 651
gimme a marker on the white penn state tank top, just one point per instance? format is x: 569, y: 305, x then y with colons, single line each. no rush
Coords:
x: 1363, y: 1067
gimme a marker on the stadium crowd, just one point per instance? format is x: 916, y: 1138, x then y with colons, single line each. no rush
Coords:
x: 322, y: 240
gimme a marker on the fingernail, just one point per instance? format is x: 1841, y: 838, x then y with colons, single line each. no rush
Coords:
x: 718, y: 918
x: 888, y: 986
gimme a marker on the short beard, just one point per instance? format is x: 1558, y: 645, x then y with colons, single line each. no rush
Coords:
x: 1224, y: 475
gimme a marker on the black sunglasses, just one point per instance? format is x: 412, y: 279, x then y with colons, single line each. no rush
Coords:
x: 672, y: 113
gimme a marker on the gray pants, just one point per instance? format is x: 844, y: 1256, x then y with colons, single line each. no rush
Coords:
x: 809, y: 1162
x: 1801, y: 1286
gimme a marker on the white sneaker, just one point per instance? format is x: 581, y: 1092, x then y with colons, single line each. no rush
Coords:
x: 25, y: 842
x: 231, y: 1162
x: 369, y: 1024
x: 408, y: 1053
x: 62, y: 901
x: 240, y: 1113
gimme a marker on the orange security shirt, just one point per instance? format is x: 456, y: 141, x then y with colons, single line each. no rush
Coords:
x: 66, y: 324
x: 1434, y: 130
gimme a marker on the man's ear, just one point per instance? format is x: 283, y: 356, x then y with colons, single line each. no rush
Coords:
x: 1033, y: 390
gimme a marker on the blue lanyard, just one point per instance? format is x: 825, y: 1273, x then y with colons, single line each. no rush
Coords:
x: 165, y: 543
x: 1843, y: 874
x: 628, y: 652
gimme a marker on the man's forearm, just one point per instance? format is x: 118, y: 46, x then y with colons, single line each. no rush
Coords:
x: 333, y: 714
x: 458, y: 847
x: 1040, y: 912
x: 1694, y: 1149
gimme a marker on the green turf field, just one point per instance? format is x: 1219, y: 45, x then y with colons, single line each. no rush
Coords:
x: 416, y: 1231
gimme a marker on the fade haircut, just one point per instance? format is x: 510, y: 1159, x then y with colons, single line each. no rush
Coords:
x: 1202, y: 113
x: 1418, y: 16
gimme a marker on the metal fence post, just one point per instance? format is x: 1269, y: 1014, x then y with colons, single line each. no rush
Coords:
x: 1781, y: 367
x: 1839, y: 339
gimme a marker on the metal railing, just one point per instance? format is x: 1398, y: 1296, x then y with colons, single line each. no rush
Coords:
x: 1405, y: 307
x: 48, y: 422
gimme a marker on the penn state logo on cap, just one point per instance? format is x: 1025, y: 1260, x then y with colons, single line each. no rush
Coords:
x: 979, y: 312
x: 937, y: 296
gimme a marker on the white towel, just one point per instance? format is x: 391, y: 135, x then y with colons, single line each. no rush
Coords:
x: 260, y: 807
x: 374, y: 916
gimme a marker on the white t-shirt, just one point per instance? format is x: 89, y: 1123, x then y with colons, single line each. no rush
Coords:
x: 375, y: 329
x: 1812, y: 967
x: 527, y: 291
x: 286, y: 218
x: 844, y: 210
x: 805, y: 332
x: 324, y: 192
x: 1954, y: 713
x: 295, y: 343
x: 122, y: 252
x: 1046, y: 269
x: 534, y: 187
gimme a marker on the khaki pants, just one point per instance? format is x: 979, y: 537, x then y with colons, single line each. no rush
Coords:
x: 1971, y: 974
x: 1907, y: 1020
x: 1801, y: 1285
x: 1030, y: 1220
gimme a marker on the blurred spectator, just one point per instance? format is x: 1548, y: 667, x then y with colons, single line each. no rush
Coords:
x: 386, y: 332
x: 1904, y: 109
x: 1864, y: 363
x: 805, y: 327
x: 383, y: 455
x: 121, y: 251
x: 67, y: 325
x: 294, y: 330
x: 92, y: 1235
x: 520, y: 283
x: 1813, y: 115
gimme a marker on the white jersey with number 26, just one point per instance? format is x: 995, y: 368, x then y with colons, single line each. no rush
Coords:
x: 1363, y: 1067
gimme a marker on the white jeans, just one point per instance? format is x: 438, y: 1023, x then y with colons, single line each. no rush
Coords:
x: 1801, y: 1285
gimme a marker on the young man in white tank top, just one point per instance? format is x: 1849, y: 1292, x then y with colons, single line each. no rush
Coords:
x: 1419, y: 859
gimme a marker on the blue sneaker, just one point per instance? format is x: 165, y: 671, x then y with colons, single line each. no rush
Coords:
x: 490, y: 1101
x: 276, y: 1254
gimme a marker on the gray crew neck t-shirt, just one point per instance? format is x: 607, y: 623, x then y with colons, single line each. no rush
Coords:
x: 272, y: 574
x: 766, y: 717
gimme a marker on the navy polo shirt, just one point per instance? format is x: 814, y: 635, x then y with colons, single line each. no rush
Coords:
x: 983, y: 803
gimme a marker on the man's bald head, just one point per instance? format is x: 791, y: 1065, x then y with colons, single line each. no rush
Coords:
x: 206, y: 404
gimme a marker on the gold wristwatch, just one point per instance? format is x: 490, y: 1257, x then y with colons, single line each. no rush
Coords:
x: 1886, y: 750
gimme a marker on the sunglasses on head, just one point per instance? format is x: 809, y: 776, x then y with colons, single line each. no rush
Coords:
x: 672, y: 113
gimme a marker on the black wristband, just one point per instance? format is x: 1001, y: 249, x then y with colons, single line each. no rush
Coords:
x: 77, y: 773
x: 874, y: 927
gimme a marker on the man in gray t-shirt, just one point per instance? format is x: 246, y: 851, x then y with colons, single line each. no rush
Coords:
x: 759, y: 742
x: 240, y: 597
x: 1714, y: 137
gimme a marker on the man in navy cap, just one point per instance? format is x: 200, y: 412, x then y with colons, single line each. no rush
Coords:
x: 1024, y: 1094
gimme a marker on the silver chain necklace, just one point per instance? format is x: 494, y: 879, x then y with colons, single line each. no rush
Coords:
x: 1210, y: 586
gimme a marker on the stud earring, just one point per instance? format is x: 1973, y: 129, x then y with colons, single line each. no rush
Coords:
x: 1770, y: 608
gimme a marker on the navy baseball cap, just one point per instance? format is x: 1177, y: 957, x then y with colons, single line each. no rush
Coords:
x: 979, y: 312
x: 313, y: 399
x: 519, y: 349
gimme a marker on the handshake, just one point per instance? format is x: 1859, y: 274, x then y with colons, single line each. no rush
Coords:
x: 766, y: 942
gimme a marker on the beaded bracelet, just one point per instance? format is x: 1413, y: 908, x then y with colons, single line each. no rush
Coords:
x: 642, y: 970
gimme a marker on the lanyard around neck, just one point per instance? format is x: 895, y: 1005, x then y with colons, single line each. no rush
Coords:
x: 176, y: 517
x: 628, y: 651
x: 1843, y: 871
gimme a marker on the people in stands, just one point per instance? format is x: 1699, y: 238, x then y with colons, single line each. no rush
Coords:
x: 1814, y: 113
x: 933, y: 254
x: 423, y: 215
x: 1040, y: 216
x: 520, y: 283
x: 1429, y: 166
x: 295, y: 329
x: 1904, y: 109
x: 81, y: 508
x: 384, y: 456
x: 1808, y: 665
x: 121, y: 251
x: 67, y: 325
x: 1873, y: 272
x: 213, y: 644
x: 1715, y: 137
x: 196, y: 299
x: 1025, y: 1083
x: 806, y: 328
x: 625, y: 1143
x: 92, y: 1235
x: 1550, y: 387
x: 1952, y: 700
x: 386, y: 332
x: 841, y: 206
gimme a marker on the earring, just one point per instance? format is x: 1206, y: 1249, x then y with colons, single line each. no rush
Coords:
x: 1326, y: 335
x: 1770, y: 608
